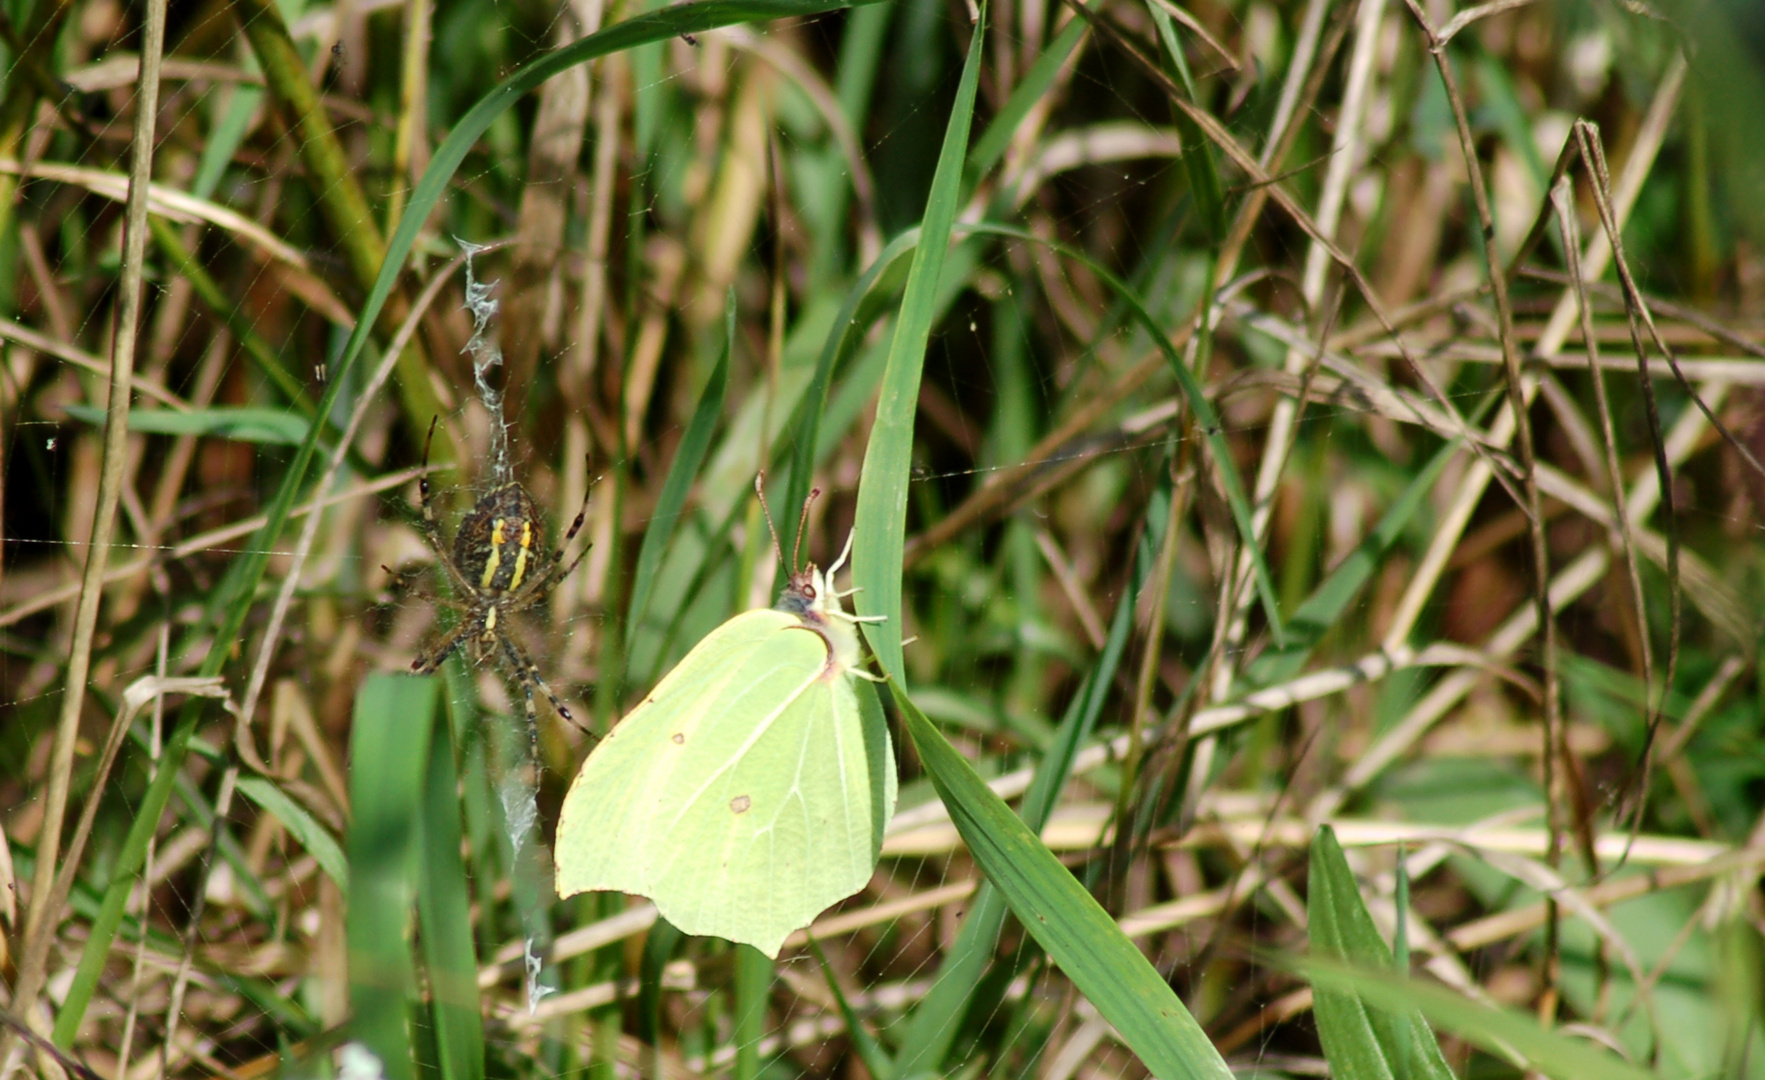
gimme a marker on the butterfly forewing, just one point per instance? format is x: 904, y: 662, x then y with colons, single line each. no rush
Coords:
x: 745, y: 795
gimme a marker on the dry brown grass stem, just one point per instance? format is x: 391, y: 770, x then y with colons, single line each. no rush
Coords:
x: 44, y: 914
x: 1558, y: 780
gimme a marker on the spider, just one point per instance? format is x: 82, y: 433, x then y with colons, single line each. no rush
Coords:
x: 498, y: 569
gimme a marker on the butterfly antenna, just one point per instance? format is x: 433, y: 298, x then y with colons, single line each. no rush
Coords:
x: 760, y: 490
x: 803, y: 527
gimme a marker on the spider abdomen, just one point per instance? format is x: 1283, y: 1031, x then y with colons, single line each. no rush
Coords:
x: 500, y: 540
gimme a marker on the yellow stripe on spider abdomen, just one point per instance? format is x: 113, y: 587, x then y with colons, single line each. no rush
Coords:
x: 521, y: 556
x: 496, y: 554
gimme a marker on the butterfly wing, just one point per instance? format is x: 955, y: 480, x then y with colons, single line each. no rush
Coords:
x: 745, y: 795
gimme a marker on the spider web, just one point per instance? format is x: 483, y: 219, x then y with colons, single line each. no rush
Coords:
x: 1032, y: 584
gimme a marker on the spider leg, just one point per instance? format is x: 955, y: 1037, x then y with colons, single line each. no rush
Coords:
x: 525, y: 676
x: 527, y: 672
x: 428, y: 665
x: 575, y: 526
x: 408, y: 582
x: 432, y: 528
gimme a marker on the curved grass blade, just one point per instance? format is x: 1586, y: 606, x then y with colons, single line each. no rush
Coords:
x: 882, y: 490
x: 864, y: 1044
x: 990, y: 147
x: 935, y: 1022
x: 1062, y: 916
x: 687, y: 460
x: 315, y: 838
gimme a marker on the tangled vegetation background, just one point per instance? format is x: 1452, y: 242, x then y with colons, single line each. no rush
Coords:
x: 1165, y: 357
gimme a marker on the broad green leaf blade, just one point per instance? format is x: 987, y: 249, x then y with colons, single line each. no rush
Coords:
x: 389, y: 761
x: 1360, y: 1043
x: 1498, y: 1031
x: 687, y: 460
x: 1063, y: 917
x: 882, y: 491
x: 444, y: 915
x: 315, y: 838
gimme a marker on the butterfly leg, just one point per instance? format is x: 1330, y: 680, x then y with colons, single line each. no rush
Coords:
x: 851, y: 618
x: 845, y: 553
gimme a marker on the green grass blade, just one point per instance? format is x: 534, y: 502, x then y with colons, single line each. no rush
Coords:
x: 882, y: 490
x: 241, y: 423
x: 936, y: 1021
x: 864, y: 1044
x: 933, y: 1026
x: 314, y: 837
x: 1360, y: 1043
x: 444, y: 917
x: 687, y: 460
x: 389, y: 757
x: 753, y: 988
x: 659, y: 947
x: 1063, y: 917
x: 230, y: 312
x: 1326, y: 604
x: 1232, y: 486
x: 1198, y: 159
x: 847, y: 331
x: 1498, y: 1031
x: 990, y: 147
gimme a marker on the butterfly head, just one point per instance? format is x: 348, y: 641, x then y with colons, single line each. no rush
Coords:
x: 808, y: 592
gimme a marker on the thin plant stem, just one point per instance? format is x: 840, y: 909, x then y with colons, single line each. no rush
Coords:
x: 42, y: 917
